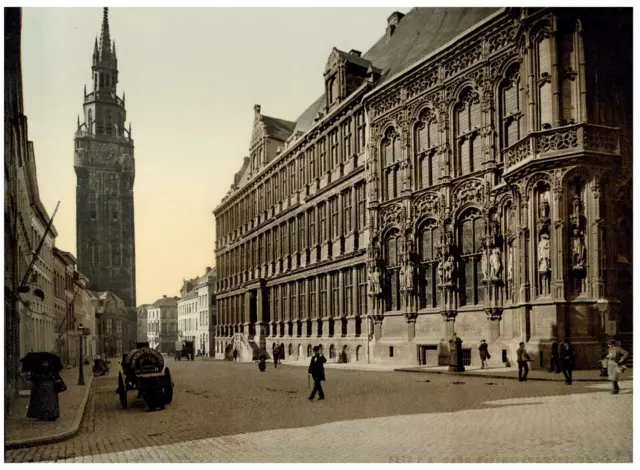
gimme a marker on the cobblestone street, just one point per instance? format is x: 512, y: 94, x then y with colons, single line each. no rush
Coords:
x: 230, y: 412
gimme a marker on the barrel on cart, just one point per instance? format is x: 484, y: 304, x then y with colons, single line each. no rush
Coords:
x: 143, y: 370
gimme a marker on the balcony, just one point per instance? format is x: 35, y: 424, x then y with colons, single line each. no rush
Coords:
x: 562, y: 140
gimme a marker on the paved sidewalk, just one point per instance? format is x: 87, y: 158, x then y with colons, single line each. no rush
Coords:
x: 21, y: 431
x: 568, y: 428
x: 347, y: 366
x: 512, y: 373
x: 495, y: 373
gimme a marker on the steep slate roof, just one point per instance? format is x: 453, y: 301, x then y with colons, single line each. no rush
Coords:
x: 278, y: 128
x: 420, y: 32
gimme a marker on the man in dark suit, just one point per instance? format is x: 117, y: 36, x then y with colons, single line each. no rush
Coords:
x: 316, y: 370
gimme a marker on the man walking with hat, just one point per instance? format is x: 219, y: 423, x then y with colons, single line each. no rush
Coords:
x: 316, y: 370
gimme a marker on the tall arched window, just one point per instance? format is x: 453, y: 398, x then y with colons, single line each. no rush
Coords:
x: 467, y: 126
x: 426, y: 141
x: 430, y: 234
x: 471, y: 230
x: 510, y: 108
x: 392, y: 258
x: 390, y: 156
x: 543, y: 77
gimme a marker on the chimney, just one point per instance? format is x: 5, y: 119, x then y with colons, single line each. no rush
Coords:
x: 356, y: 53
x: 175, y: 297
x: 256, y: 109
x: 164, y: 296
x: 392, y: 23
x: 208, y: 269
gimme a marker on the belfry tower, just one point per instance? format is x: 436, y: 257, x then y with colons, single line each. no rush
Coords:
x: 105, y: 170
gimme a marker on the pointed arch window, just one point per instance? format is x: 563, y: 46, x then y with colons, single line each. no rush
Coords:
x: 426, y: 142
x: 543, y: 45
x: 467, y: 129
x: 392, y: 249
x: 511, y: 108
x: 430, y: 235
x: 311, y: 158
x: 390, y: 157
x: 471, y: 229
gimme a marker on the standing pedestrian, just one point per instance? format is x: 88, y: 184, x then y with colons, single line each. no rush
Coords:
x: 276, y: 356
x: 484, y: 354
x: 235, y: 355
x: 555, y: 358
x: 616, y: 356
x: 262, y: 365
x: 316, y: 370
x: 567, y: 360
x: 523, y: 367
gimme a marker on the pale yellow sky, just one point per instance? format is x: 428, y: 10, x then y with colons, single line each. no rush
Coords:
x: 191, y: 77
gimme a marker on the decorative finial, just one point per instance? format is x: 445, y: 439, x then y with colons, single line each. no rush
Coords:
x: 78, y: 122
x: 256, y: 109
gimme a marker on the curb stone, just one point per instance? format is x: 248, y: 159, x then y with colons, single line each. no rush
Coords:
x: 496, y: 376
x: 61, y: 436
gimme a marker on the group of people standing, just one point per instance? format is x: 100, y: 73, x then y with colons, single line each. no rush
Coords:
x: 563, y: 359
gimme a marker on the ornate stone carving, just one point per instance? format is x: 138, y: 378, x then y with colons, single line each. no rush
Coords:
x: 501, y: 40
x: 375, y: 281
x: 426, y: 204
x: 462, y: 60
x: 449, y: 315
x: 601, y: 138
x: 469, y: 191
x: 422, y: 82
x: 495, y: 264
x: 557, y: 140
x: 393, y: 214
x: 387, y: 103
x: 517, y: 152
x: 493, y: 313
x: 544, y: 260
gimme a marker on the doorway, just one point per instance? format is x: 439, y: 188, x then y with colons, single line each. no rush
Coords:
x: 427, y: 354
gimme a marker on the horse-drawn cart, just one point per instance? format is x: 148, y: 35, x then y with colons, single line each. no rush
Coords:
x: 142, y: 370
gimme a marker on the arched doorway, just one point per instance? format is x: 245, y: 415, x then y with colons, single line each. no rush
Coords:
x: 290, y: 349
x: 332, y: 352
x: 282, y: 351
x: 344, y: 357
x: 299, y: 351
x: 309, y: 350
x: 358, y: 353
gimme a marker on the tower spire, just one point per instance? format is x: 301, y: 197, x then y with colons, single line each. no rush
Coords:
x: 105, y: 38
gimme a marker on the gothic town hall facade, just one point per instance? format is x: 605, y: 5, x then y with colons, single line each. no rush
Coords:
x: 469, y: 174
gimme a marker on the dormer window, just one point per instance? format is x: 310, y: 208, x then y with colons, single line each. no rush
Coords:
x: 332, y: 90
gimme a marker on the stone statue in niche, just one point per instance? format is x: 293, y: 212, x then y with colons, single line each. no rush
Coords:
x: 484, y: 263
x: 510, y: 263
x: 374, y: 280
x: 495, y: 263
x: 408, y: 274
x: 545, y: 208
x: 578, y: 250
x: 448, y: 268
x: 543, y: 253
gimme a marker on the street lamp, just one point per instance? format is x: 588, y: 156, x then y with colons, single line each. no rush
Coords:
x: 81, y: 332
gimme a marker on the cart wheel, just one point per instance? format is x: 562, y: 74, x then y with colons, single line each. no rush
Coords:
x: 168, y: 392
x: 122, y: 391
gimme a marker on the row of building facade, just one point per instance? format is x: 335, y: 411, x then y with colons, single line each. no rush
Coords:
x: 469, y: 174
x: 191, y: 317
x: 46, y: 297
